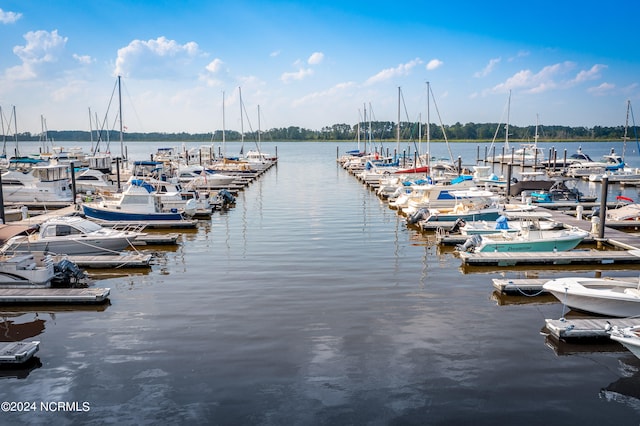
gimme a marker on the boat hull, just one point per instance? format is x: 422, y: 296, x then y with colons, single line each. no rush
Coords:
x: 122, y: 216
x: 597, y: 296
x: 531, y: 246
x: 80, y: 246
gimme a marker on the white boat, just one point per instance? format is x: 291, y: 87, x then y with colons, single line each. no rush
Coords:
x: 629, y: 337
x: 48, y: 183
x: 24, y: 271
x: 197, y: 177
x: 532, y: 237
x: 585, y: 169
x: 93, y: 180
x: 168, y: 191
x: 620, y: 175
x: 137, y: 203
x: 625, y: 212
x: 469, y: 206
x: 510, y: 223
x: 602, y: 296
x: 437, y: 195
x: 71, y: 235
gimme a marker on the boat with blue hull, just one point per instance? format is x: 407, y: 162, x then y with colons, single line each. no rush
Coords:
x: 137, y: 203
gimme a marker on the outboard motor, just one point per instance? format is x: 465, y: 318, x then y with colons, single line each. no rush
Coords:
x: 225, y: 198
x: 67, y: 272
x: 471, y: 243
x: 459, y: 223
x: 417, y: 216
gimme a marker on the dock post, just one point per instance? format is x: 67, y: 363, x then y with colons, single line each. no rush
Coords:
x: 2, y: 218
x: 459, y: 165
x: 73, y: 181
x: 603, y: 207
x: 508, y: 194
x: 118, y: 172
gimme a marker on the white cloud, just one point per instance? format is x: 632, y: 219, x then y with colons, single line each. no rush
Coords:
x: 42, y: 47
x: 602, y: 89
x: 489, y: 68
x: 83, y: 59
x: 315, y: 58
x: 386, y: 74
x: 159, y: 58
x: 275, y: 53
x: 9, y: 17
x: 333, y: 91
x: 434, y: 64
x: 591, y: 74
x: 214, y: 66
x: 549, y: 77
x: 297, y: 75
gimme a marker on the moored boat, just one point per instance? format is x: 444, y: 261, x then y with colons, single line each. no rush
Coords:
x: 629, y: 337
x: 71, y: 235
x: 602, y: 296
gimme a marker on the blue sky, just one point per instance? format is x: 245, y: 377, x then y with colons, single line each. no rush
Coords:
x: 315, y: 63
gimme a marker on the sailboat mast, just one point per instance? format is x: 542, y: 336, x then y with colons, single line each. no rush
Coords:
x: 241, y: 122
x: 506, y: 140
x: 4, y: 135
x: 398, y: 129
x: 364, y: 121
x: 91, y: 130
x: 428, y: 129
x: 224, y: 136
x: 120, y: 115
x: 15, y: 130
x: 259, y: 142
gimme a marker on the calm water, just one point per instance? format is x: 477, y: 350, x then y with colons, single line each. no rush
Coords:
x: 310, y: 302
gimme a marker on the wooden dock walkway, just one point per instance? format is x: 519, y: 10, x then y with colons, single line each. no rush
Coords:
x: 572, y: 257
x: 566, y: 329
x: 53, y: 295
x: 18, y: 352
x: 115, y: 261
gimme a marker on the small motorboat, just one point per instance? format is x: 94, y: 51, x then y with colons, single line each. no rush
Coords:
x: 629, y: 337
x: 602, y: 296
x: 71, y: 235
x: 531, y: 237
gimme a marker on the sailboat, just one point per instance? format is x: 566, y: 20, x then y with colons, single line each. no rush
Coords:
x: 528, y: 154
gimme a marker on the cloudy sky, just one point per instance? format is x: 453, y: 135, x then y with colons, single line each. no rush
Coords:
x: 315, y: 63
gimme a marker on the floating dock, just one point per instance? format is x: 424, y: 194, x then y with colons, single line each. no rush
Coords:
x: 54, y: 295
x: 115, y: 261
x: 532, y: 285
x: 572, y: 257
x: 591, y: 328
x: 17, y: 352
x: 524, y: 285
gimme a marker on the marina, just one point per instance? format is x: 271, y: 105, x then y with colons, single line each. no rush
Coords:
x: 309, y: 297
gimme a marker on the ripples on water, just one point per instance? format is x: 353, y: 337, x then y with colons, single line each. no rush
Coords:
x: 310, y: 302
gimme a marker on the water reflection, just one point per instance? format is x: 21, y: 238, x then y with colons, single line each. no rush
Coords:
x: 625, y: 390
x: 503, y: 299
x: 20, y: 371
x: 12, y: 329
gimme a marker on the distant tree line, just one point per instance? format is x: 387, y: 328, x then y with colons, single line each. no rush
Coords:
x: 376, y: 131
